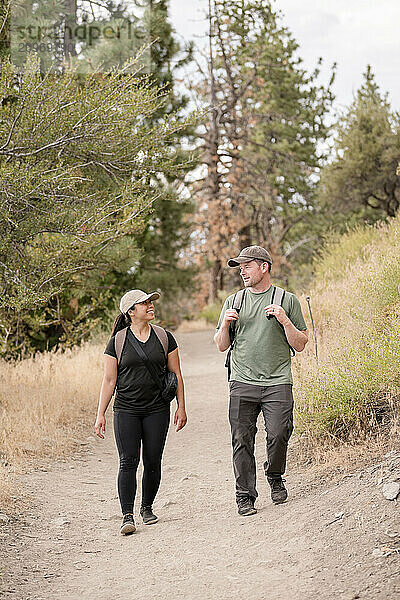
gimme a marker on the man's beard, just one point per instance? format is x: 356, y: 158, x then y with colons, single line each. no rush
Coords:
x: 252, y: 281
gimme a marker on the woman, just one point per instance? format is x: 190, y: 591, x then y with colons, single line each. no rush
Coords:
x: 141, y: 416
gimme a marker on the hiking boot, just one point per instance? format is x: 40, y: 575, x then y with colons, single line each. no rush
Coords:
x: 148, y: 516
x: 128, y: 524
x: 278, y: 491
x: 246, y: 506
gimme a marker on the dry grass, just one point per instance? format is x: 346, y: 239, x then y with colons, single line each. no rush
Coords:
x: 329, y: 457
x: 47, y: 404
x: 353, y: 395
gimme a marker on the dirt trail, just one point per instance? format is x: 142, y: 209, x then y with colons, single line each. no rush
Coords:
x: 69, y: 546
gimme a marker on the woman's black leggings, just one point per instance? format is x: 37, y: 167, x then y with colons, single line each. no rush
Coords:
x: 130, y: 432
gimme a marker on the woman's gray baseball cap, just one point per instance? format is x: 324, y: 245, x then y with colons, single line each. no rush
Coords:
x: 133, y: 297
x: 250, y: 253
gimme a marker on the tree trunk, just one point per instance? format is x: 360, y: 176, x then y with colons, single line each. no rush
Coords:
x: 245, y: 236
x: 70, y: 24
x: 214, y: 280
x: 213, y: 174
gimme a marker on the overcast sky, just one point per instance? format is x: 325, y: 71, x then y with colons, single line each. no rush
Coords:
x: 352, y: 33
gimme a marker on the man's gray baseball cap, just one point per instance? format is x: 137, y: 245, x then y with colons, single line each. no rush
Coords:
x: 250, y: 253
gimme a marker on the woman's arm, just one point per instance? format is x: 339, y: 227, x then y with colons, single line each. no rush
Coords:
x: 106, y: 392
x: 180, y: 418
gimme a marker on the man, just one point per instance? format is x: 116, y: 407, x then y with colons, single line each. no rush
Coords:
x: 261, y: 378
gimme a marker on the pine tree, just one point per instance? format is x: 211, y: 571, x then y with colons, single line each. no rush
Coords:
x: 43, y: 28
x: 151, y: 256
x: 128, y: 35
x: 361, y: 182
x: 262, y: 161
x: 75, y: 157
x: 5, y: 10
x: 85, y: 34
x: 166, y: 234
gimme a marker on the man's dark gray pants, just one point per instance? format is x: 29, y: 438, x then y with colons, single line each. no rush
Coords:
x: 246, y: 402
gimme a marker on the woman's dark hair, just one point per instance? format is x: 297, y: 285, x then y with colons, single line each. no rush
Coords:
x: 123, y: 320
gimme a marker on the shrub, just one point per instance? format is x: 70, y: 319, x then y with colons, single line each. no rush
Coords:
x: 355, y: 389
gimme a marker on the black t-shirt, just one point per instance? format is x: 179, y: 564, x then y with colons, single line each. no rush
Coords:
x: 137, y: 392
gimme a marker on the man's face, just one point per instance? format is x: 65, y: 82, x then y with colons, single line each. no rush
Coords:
x: 252, y: 272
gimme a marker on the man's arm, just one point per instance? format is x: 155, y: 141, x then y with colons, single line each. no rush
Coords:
x: 296, y: 338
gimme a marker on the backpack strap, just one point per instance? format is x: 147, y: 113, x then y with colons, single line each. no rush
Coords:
x: 238, y: 299
x: 237, y: 305
x: 119, y: 342
x: 278, y: 295
x: 145, y: 359
x: 162, y: 337
x: 120, y: 338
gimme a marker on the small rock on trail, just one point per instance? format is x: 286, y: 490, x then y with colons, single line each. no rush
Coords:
x: 391, y: 490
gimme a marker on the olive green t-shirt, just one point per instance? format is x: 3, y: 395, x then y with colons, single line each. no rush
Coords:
x: 261, y: 354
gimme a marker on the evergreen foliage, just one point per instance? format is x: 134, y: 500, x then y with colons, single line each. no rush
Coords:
x: 166, y: 234
x: 4, y: 28
x: 76, y: 156
x: 361, y: 183
x: 261, y: 143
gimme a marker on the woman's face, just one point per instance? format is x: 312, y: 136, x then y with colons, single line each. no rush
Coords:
x: 143, y: 311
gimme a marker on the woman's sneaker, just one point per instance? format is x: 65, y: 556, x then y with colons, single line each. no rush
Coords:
x: 128, y: 524
x: 148, y: 516
x: 278, y: 491
x: 246, y: 506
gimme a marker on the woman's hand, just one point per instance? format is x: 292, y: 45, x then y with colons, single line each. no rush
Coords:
x: 106, y: 392
x: 100, y: 426
x: 180, y: 418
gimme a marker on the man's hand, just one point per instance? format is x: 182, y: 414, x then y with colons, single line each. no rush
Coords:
x: 221, y: 338
x: 274, y: 310
x: 297, y: 339
x: 230, y: 315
